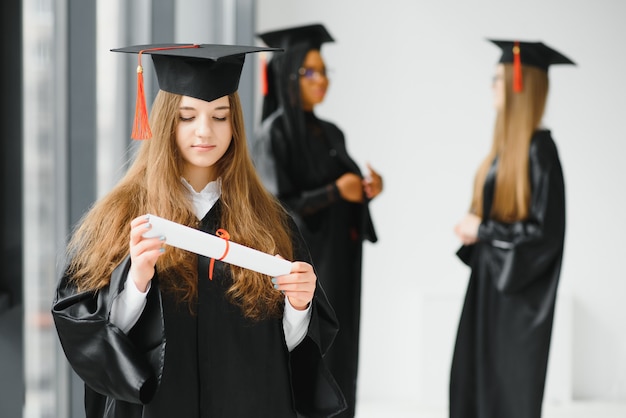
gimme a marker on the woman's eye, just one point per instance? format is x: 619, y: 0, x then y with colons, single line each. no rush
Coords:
x: 220, y: 119
x: 185, y: 119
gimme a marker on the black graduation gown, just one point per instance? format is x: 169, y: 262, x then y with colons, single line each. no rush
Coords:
x: 213, y: 364
x: 302, y: 175
x: 501, y: 353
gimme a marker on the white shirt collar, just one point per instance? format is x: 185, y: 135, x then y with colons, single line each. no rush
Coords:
x: 204, y: 200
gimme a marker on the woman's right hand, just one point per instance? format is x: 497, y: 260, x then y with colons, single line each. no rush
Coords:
x: 373, y: 184
x: 144, y: 252
x: 350, y: 187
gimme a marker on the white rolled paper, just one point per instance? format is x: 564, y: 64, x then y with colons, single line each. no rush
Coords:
x: 211, y: 246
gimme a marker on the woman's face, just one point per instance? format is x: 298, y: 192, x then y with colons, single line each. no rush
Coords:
x: 313, y: 80
x: 203, y: 134
x: 498, y: 87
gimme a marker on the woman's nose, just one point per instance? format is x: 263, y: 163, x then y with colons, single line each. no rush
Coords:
x: 203, y: 127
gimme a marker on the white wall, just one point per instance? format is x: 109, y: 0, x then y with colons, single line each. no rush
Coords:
x: 411, y: 89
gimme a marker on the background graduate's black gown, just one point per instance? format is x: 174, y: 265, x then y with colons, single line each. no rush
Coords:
x: 213, y: 364
x: 501, y: 353
x: 302, y: 174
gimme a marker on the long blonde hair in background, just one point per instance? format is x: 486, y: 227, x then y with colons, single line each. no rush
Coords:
x: 152, y: 184
x: 515, y: 124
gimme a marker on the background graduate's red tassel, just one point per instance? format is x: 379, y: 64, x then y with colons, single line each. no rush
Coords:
x: 517, y: 69
x: 263, y: 70
x: 141, y: 126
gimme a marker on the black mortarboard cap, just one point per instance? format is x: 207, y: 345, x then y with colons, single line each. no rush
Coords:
x: 535, y: 54
x: 311, y: 35
x: 203, y: 71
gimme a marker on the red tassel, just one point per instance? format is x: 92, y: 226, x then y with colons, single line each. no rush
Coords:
x: 141, y: 125
x: 223, y: 234
x: 264, y: 84
x: 517, y: 69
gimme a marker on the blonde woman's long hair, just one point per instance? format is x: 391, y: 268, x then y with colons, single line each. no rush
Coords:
x: 152, y: 184
x: 517, y: 120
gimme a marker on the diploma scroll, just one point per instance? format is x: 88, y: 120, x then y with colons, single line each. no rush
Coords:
x: 211, y: 246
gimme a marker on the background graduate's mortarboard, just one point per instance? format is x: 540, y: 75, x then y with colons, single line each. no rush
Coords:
x: 535, y: 54
x: 312, y: 36
x: 306, y: 37
x: 202, y: 71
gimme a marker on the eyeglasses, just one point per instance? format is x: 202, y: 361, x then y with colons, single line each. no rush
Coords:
x: 312, y: 73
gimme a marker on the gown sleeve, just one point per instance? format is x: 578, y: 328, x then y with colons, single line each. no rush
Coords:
x: 316, y: 392
x: 274, y: 158
x: 111, y: 363
x: 522, y: 252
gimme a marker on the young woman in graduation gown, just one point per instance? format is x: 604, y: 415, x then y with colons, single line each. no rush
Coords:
x: 513, y: 241
x: 159, y: 332
x: 304, y: 161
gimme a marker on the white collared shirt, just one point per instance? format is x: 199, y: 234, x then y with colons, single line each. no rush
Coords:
x: 204, y: 200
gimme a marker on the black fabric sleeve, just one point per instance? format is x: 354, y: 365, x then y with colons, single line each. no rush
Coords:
x: 119, y: 366
x: 316, y: 392
x: 274, y: 157
x: 275, y: 161
x: 309, y: 202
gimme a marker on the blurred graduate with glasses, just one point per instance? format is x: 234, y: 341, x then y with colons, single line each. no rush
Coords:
x: 304, y: 161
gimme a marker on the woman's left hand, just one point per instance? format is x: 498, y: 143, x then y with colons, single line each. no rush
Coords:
x: 299, y: 285
x: 373, y: 183
x: 467, y: 229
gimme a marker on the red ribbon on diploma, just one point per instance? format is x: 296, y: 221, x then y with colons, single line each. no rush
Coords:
x: 222, y: 233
